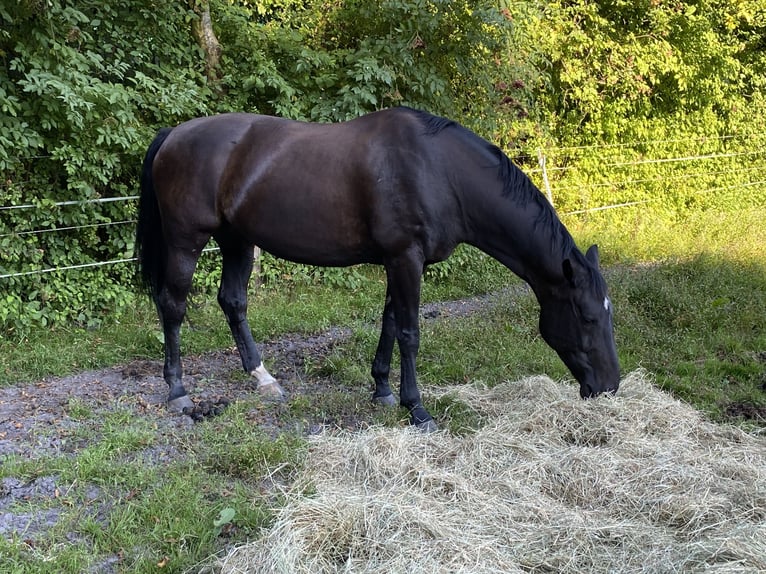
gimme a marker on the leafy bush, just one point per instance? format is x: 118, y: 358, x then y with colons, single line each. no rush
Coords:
x: 81, y: 89
x: 84, y: 86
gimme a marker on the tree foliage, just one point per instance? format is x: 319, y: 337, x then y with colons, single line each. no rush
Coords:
x: 625, y: 81
x: 82, y: 88
x: 624, y: 65
x: 85, y: 85
x: 332, y: 61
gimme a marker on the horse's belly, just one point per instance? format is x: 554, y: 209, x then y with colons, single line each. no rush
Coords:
x: 311, y: 232
x: 316, y: 250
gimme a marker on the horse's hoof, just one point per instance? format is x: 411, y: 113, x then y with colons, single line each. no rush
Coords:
x: 267, y: 386
x: 178, y: 404
x: 421, y: 420
x: 272, y: 391
x: 386, y: 400
x: 427, y: 427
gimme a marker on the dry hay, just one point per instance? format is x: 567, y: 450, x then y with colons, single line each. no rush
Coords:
x: 550, y: 483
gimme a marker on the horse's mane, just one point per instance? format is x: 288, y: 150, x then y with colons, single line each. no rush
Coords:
x: 516, y: 185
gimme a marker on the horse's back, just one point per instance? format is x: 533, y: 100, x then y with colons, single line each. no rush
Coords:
x: 327, y: 194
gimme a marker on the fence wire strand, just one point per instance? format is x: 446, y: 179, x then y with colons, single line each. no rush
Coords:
x: 548, y: 153
x: 626, y: 182
x: 73, y: 202
x: 70, y: 228
x: 82, y: 266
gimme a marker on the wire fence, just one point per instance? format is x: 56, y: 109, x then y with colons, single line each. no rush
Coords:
x: 555, y: 165
x: 67, y: 203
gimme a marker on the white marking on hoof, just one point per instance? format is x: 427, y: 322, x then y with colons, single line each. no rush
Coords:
x: 178, y: 404
x: 267, y: 385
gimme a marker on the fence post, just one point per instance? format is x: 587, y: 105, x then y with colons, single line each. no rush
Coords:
x: 546, y: 183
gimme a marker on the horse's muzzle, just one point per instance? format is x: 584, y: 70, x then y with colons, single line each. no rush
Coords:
x: 587, y: 393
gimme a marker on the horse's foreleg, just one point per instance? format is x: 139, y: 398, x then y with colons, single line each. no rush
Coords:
x: 381, y: 365
x: 404, y: 278
x: 232, y: 297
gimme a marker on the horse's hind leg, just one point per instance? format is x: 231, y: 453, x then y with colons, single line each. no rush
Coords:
x: 232, y: 296
x: 381, y: 365
x: 171, y: 306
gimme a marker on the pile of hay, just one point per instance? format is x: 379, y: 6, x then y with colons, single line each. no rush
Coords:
x: 550, y: 483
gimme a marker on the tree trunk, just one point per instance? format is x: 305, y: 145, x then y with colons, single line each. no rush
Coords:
x: 203, y: 31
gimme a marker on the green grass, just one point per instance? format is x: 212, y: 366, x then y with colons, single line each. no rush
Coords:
x: 688, y: 296
x: 703, y: 325
x: 118, y: 503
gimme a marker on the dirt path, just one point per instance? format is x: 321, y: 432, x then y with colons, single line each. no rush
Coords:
x: 35, y: 417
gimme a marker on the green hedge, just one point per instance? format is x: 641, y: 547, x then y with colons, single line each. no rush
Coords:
x: 84, y: 86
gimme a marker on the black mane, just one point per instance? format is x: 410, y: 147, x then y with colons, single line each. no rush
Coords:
x: 516, y: 184
x: 432, y: 124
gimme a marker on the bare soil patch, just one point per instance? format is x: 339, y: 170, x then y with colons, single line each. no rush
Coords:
x: 33, y: 414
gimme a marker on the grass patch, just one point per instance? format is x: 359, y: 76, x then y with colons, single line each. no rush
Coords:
x: 636, y: 236
x: 236, y: 446
x: 689, y: 297
x: 117, y: 502
x: 702, y: 327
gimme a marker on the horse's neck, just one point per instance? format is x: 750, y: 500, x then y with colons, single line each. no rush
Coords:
x: 523, y: 236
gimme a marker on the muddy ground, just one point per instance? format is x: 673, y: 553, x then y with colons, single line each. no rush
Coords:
x: 28, y: 411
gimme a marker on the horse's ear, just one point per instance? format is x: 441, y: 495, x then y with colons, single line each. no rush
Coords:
x: 568, y: 271
x: 592, y: 255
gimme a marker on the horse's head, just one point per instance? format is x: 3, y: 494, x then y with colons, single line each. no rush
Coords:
x: 576, y: 321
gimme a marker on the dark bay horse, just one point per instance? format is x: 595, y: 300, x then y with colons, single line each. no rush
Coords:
x: 400, y: 188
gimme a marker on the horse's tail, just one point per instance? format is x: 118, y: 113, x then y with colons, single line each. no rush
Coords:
x: 150, y: 242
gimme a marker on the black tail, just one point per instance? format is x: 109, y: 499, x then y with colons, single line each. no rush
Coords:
x: 150, y: 243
